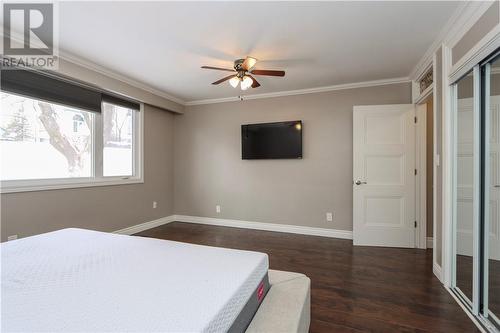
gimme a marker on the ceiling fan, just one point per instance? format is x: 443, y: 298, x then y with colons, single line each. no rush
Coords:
x: 242, y: 73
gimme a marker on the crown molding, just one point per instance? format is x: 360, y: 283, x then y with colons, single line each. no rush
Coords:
x: 464, y: 17
x: 112, y: 74
x: 64, y: 55
x: 468, y: 17
x: 120, y: 77
x: 302, y: 91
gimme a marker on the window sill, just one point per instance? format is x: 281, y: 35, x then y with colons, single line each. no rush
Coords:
x: 59, y: 184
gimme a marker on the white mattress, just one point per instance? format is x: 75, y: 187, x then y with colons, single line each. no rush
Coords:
x: 76, y: 280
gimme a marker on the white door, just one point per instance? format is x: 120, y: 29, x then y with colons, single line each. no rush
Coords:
x: 384, y: 175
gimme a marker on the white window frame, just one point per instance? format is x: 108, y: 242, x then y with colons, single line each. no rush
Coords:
x: 29, y: 185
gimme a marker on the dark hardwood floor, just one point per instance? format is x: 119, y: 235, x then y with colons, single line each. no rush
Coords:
x: 353, y: 289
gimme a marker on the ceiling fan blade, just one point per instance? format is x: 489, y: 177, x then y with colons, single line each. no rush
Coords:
x: 218, y: 68
x: 255, y: 84
x: 248, y: 63
x: 224, y: 79
x: 267, y: 72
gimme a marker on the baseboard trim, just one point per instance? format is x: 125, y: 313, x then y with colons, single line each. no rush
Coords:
x: 145, y: 226
x: 287, y: 228
x: 430, y: 243
x: 436, y: 269
x: 294, y: 229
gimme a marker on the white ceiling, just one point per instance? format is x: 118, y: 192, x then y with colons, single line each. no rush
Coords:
x: 163, y: 44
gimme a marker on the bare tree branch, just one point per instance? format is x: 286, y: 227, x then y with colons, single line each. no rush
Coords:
x: 58, y: 139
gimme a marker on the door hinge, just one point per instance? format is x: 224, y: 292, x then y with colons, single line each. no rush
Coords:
x: 415, y: 120
x: 415, y: 224
x: 415, y: 172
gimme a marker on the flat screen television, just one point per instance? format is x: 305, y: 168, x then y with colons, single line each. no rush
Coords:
x: 272, y: 140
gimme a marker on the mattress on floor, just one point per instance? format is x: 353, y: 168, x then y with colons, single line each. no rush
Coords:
x: 86, y: 281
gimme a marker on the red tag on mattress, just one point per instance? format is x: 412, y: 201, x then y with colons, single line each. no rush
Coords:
x: 260, y: 292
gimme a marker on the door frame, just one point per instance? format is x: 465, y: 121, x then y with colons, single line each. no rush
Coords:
x: 421, y: 174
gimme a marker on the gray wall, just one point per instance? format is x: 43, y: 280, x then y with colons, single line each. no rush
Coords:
x: 209, y: 169
x: 106, y: 208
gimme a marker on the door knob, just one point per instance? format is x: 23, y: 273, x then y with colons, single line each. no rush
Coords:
x: 359, y: 182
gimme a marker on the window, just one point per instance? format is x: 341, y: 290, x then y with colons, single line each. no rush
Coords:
x: 39, y: 141
x: 47, y: 145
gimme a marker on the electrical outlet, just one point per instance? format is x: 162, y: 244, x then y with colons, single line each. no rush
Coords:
x: 329, y: 217
x: 11, y: 238
x: 155, y: 204
x: 217, y: 209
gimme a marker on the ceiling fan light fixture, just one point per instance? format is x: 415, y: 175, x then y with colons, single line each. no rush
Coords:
x: 251, y: 62
x: 246, y: 83
x: 234, y: 82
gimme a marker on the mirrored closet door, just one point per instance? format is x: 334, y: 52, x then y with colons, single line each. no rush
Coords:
x: 466, y: 140
x: 476, y: 192
x: 491, y: 300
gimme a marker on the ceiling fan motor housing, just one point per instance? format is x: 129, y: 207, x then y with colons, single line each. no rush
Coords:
x: 238, y: 63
